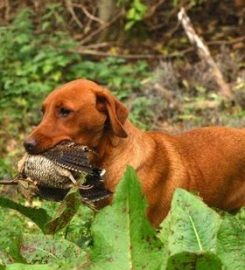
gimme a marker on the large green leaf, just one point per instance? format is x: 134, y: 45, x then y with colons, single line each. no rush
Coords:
x: 190, y: 228
x: 194, y: 261
x: 47, y: 252
x: 123, y: 237
x: 43, y: 249
x: 231, y: 243
x: 38, y: 215
x: 50, y: 225
x: 66, y: 211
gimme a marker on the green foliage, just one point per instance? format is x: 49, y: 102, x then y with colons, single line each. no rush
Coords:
x: 67, y: 209
x: 39, y: 249
x: 32, y: 64
x: 29, y: 66
x: 78, y: 230
x: 192, y: 237
x: 38, y: 216
x: 18, y: 266
x: 141, y: 116
x: 196, y: 237
x: 231, y: 242
x: 121, y: 232
x: 11, y: 227
x: 4, y: 166
x: 189, y: 233
x: 135, y: 13
x: 118, y: 75
x: 50, y: 225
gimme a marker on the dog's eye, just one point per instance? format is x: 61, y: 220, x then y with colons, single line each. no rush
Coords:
x: 64, y: 112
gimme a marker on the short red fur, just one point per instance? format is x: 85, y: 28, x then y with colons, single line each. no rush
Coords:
x: 208, y: 160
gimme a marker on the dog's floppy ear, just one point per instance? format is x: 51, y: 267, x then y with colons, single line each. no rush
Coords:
x: 115, y: 110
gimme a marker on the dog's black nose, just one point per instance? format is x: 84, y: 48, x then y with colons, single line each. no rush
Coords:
x: 30, y: 145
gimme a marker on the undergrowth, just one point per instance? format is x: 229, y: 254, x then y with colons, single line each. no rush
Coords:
x: 192, y: 237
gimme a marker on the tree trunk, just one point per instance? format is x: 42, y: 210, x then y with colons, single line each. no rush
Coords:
x: 107, y: 9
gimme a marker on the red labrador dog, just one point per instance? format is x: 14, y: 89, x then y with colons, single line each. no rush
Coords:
x: 208, y: 160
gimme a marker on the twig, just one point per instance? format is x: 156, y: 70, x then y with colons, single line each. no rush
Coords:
x: 226, y: 42
x: 90, y: 50
x: 204, y: 53
x: 69, y: 6
x: 88, y: 14
x: 97, y: 45
x: 100, y: 29
x: 153, y: 9
x: 85, y: 51
x: 8, y: 182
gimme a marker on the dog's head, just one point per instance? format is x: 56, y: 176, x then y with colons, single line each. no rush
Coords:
x: 81, y: 111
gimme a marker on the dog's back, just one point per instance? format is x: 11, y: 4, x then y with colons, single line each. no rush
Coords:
x: 209, y: 161
x: 219, y: 155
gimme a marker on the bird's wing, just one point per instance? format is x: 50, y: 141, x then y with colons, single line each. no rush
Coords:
x: 72, y: 157
x: 95, y: 194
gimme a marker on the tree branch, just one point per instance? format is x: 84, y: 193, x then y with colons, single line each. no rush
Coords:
x: 69, y: 6
x: 99, y: 30
x: 88, y: 14
x: 204, y: 53
x: 8, y: 182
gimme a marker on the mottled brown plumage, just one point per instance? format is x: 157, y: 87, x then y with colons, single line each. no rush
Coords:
x: 65, y: 165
